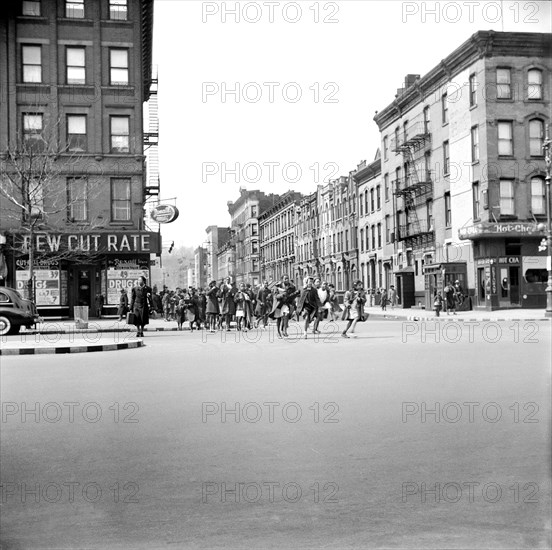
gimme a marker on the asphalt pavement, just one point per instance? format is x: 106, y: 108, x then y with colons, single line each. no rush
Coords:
x: 410, y: 435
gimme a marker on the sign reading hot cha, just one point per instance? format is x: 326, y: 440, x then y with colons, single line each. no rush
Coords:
x: 500, y: 229
x: 132, y: 242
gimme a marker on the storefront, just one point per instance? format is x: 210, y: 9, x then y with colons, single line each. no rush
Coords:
x: 437, y: 276
x: 510, y: 271
x: 75, y: 269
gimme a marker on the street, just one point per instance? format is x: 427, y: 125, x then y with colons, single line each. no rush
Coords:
x: 387, y: 440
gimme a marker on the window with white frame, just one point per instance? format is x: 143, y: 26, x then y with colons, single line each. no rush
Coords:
x: 75, y: 65
x: 506, y: 191
x: 74, y: 9
x: 534, y: 84
x: 446, y: 158
x: 120, y: 199
x: 538, y: 196
x: 473, y: 90
x: 505, y: 138
x: 536, y: 137
x: 118, y: 10
x: 120, y: 134
x: 77, y: 199
x: 30, y: 7
x: 476, y: 197
x: 76, y: 133
x: 444, y: 108
x: 32, y: 131
x: 503, y: 83
x: 475, y: 144
x: 31, y: 63
x: 118, y: 66
x: 448, y: 210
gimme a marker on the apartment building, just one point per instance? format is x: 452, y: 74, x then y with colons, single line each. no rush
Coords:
x: 74, y: 75
x: 462, y: 148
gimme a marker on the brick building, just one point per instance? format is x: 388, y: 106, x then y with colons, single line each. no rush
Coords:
x: 462, y: 147
x: 216, y: 238
x: 74, y: 76
x: 277, y: 232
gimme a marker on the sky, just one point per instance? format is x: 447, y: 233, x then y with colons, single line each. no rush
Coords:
x: 285, y: 97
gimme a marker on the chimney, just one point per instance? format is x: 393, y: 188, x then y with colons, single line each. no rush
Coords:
x: 409, y: 79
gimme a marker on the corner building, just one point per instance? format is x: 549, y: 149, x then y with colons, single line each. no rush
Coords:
x: 82, y: 70
x: 462, y: 148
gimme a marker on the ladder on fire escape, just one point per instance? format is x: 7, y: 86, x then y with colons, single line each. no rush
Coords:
x: 151, y: 150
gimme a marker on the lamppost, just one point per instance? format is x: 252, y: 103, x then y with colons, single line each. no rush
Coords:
x: 548, y: 163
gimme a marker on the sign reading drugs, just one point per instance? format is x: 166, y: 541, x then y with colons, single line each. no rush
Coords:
x: 104, y: 243
x: 164, y: 213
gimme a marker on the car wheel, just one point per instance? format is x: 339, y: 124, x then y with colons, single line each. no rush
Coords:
x: 5, y: 325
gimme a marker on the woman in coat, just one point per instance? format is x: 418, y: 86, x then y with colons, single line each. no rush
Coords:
x: 228, y: 309
x: 140, y: 305
x: 212, y: 306
x: 353, y: 301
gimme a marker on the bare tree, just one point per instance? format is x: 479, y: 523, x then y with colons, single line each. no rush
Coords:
x: 33, y: 192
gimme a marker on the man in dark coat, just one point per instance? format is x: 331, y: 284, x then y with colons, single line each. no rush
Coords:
x: 123, y: 304
x: 450, y: 300
x: 228, y: 309
x: 264, y: 303
x: 309, y: 304
x: 212, y: 306
x: 140, y: 305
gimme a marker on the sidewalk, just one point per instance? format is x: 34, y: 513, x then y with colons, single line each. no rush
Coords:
x: 469, y: 316
x: 57, y: 343
x: 67, y: 326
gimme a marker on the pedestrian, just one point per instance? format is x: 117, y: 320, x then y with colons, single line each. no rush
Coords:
x: 264, y: 301
x: 228, y: 309
x: 438, y: 304
x: 241, y: 299
x: 201, y: 305
x: 212, y: 307
x: 123, y: 304
x: 99, y: 305
x: 458, y: 293
x: 309, y: 304
x: 354, y: 302
x: 334, y: 301
x: 166, y: 304
x: 384, y: 299
x: 392, y: 297
x: 324, y: 296
x: 140, y: 305
x: 450, y: 301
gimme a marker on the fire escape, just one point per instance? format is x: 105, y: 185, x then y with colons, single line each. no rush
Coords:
x: 151, y: 150
x: 415, y: 188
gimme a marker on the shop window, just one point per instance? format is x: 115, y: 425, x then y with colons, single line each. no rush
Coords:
x: 536, y: 276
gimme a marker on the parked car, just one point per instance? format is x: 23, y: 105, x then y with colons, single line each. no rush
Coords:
x: 15, y: 312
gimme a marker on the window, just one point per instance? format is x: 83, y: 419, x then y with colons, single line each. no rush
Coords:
x: 360, y: 206
x: 538, y: 200
x: 444, y: 108
x: 387, y: 229
x: 429, y: 214
x: 386, y: 187
x: 120, y: 199
x: 362, y: 240
x: 379, y: 235
x: 534, y: 84
x: 385, y: 144
x: 405, y: 131
x: 397, y: 139
x: 120, y: 134
x: 118, y: 10
x: 378, y: 197
x: 503, y: 84
x: 254, y: 229
x: 536, y: 137
x: 446, y: 158
x: 32, y: 63
x: 475, y: 144
x: 254, y: 211
x: 77, y: 199
x: 505, y: 139
x: 36, y: 199
x: 372, y: 202
x: 448, y: 212
x: 76, y: 133
x: 426, y: 119
x: 75, y: 65
x: 476, y: 200
x: 367, y: 239
x: 74, y: 9
x: 373, y: 231
x: 473, y: 90
x: 118, y: 66
x: 32, y: 131
x: 507, y: 197
x: 30, y: 7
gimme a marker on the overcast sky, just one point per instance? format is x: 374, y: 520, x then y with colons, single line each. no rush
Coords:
x: 344, y: 71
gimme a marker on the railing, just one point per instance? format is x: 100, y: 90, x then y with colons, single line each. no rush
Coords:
x: 416, y: 133
x: 414, y: 228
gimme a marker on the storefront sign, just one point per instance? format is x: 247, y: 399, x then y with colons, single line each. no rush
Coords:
x: 124, y: 274
x: 164, y: 213
x: 46, y: 282
x: 509, y: 260
x: 487, y: 229
x: 102, y: 243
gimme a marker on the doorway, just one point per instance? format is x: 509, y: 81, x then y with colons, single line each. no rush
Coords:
x: 509, y: 286
x: 83, y: 288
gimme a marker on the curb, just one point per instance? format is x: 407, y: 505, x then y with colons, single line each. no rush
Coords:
x: 97, y: 330
x: 454, y: 319
x: 71, y: 349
